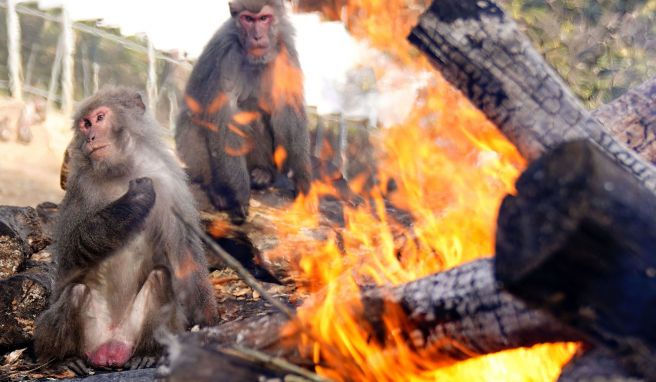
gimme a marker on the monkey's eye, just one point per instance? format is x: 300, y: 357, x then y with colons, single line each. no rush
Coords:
x: 247, y: 18
x: 100, y: 117
x: 265, y: 18
x: 87, y: 123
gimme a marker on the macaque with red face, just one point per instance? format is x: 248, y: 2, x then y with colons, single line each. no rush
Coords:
x: 125, y: 264
x: 243, y: 122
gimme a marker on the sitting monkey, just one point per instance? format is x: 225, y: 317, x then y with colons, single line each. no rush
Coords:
x: 125, y: 264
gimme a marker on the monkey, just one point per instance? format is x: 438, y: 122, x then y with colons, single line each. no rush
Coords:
x: 242, y: 123
x: 125, y: 264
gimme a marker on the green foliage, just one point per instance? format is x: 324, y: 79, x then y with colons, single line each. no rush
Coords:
x: 601, y: 48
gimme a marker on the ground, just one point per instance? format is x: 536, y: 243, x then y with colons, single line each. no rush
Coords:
x: 29, y: 173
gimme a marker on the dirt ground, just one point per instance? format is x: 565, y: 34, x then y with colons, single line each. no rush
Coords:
x: 29, y: 173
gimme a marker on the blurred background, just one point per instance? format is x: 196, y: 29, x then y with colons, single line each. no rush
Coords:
x: 54, y: 53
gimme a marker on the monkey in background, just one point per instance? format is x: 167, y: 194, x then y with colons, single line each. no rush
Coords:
x: 125, y: 265
x: 242, y: 123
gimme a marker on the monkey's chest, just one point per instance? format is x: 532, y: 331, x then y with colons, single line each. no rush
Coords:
x: 121, y: 274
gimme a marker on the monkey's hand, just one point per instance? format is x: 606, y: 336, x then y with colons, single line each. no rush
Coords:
x: 137, y: 201
x: 141, y: 193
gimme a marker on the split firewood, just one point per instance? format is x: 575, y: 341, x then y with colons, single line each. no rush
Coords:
x: 482, y: 52
x: 579, y: 240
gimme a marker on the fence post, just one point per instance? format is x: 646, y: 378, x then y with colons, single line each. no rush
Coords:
x: 14, y: 52
x: 96, y: 77
x: 68, y: 38
x: 151, y: 85
x: 54, y: 75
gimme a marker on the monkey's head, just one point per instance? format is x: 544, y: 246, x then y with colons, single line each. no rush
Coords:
x: 106, y: 126
x: 257, y: 22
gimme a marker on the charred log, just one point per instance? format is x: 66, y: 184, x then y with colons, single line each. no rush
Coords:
x: 595, y: 365
x: 579, y: 240
x: 26, y: 224
x: 22, y: 298
x: 464, y: 313
x: 193, y: 358
x: 481, y: 51
x: 456, y: 314
x: 631, y: 118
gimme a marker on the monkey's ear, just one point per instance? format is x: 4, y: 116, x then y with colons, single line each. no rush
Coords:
x: 233, y: 9
x: 135, y: 101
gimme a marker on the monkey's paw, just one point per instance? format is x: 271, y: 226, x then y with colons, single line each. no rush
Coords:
x: 79, y: 367
x: 142, y: 362
x: 261, y: 178
x: 141, y: 192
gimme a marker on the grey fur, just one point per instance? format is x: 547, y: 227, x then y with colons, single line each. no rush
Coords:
x: 99, y: 218
x: 225, y: 69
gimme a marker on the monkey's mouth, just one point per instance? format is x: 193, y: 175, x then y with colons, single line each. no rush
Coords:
x: 96, y: 149
x: 258, y: 51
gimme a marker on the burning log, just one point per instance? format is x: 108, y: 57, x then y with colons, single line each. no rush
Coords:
x: 480, y: 50
x: 457, y: 314
x: 464, y: 313
x: 579, y: 240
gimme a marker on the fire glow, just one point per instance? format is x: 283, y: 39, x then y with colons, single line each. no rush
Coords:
x: 452, y: 168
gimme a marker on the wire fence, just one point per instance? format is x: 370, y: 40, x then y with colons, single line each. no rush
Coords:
x: 50, y: 57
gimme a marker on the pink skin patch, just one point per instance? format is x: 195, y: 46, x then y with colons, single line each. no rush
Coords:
x: 112, y: 353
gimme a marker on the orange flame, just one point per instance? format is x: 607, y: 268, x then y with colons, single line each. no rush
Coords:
x: 245, y: 117
x: 452, y: 167
x: 217, y: 103
x: 279, y: 157
x: 193, y: 105
x: 286, y: 81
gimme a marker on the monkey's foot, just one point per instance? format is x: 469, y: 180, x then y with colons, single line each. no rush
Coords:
x: 236, y: 212
x: 79, y: 367
x: 140, y: 362
x: 261, y: 178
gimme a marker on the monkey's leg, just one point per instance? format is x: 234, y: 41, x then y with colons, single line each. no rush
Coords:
x: 155, y: 307
x: 190, y: 145
x: 192, y: 289
x: 230, y: 189
x: 58, y: 330
x: 132, y: 335
x: 260, y: 159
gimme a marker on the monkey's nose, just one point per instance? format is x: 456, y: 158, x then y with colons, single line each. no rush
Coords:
x: 91, y: 138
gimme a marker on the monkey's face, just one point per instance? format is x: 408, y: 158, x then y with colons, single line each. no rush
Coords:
x: 95, y: 129
x: 258, y: 33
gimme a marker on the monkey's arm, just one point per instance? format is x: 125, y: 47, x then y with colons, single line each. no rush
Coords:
x: 93, y: 237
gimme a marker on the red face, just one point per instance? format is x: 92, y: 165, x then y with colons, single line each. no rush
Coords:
x: 96, y: 128
x: 257, y: 27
